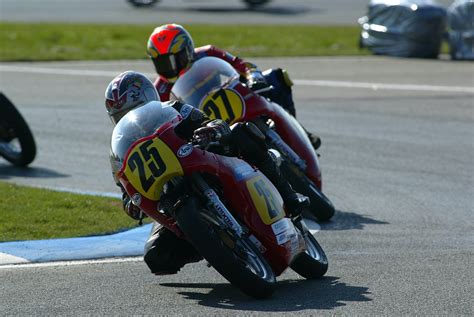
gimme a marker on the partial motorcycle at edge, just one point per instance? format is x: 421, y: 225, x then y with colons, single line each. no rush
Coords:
x: 17, y: 144
x: 213, y: 86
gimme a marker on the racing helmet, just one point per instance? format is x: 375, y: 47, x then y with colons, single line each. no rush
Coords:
x: 127, y: 91
x: 171, y: 49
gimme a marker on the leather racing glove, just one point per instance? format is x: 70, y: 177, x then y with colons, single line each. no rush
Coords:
x: 256, y: 81
x: 215, y: 133
x: 130, y: 209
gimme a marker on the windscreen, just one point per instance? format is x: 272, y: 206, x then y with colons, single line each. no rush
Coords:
x: 205, y: 75
x: 137, y: 124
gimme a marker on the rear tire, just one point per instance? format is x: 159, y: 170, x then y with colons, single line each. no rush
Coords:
x: 14, y: 128
x: 313, y: 263
x: 243, y: 266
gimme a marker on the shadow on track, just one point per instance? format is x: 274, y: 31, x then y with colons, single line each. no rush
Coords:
x: 267, y: 10
x: 8, y: 171
x: 290, y: 295
x: 345, y: 220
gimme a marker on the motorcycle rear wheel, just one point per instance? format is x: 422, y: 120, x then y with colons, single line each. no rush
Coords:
x: 17, y: 144
x: 313, y: 263
x: 243, y: 265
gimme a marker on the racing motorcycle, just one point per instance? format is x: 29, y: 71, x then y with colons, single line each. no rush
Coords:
x: 17, y: 144
x: 229, y: 211
x: 213, y: 86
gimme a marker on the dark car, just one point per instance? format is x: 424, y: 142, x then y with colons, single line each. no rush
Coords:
x: 405, y: 28
x: 461, y: 29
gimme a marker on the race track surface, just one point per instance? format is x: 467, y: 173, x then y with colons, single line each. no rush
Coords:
x: 187, y: 11
x: 397, y: 153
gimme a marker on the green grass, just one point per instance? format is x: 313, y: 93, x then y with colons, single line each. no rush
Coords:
x: 32, y: 213
x: 45, y: 41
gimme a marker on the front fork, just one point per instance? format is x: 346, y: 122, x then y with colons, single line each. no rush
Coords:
x: 214, y: 203
x: 280, y: 145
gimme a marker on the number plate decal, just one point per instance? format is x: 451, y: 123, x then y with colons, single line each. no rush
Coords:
x: 223, y: 103
x: 266, y: 199
x: 149, y: 165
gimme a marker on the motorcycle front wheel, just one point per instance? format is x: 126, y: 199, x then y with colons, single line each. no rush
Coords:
x: 313, y: 263
x: 236, y: 259
x: 17, y: 144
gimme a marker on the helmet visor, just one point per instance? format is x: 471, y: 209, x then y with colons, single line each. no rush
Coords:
x: 170, y: 65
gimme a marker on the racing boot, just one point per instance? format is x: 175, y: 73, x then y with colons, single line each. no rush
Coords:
x: 294, y: 201
x: 314, y: 139
x: 166, y: 254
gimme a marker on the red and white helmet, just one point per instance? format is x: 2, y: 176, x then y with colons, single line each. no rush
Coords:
x: 171, y: 49
x: 127, y: 91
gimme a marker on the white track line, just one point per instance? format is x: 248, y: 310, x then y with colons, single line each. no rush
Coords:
x: 302, y: 82
x: 381, y: 86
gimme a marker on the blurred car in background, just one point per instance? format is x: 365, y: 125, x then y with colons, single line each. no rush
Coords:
x: 461, y: 29
x: 405, y: 28
x: 145, y: 3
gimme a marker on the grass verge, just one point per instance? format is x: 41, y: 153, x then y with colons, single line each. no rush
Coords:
x: 33, y: 213
x: 61, y: 41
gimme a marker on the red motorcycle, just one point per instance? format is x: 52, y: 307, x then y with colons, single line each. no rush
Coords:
x: 213, y: 86
x: 229, y: 211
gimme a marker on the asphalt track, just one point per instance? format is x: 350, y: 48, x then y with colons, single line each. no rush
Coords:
x: 187, y: 11
x: 397, y: 161
x: 397, y: 153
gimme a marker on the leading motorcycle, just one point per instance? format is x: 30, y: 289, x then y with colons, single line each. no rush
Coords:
x: 228, y: 210
x: 213, y: 86
x: 17, y: 144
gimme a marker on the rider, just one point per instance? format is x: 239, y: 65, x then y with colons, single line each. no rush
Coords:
x: 172, y: 51
x: 165, y: 253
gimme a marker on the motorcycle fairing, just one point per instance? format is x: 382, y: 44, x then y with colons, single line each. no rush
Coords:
x: 266, y: 200
x: 149, y: 164
x: 223, y: 103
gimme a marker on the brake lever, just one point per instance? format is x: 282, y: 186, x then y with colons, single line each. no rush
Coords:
x: 204, y: 144
x: 259, y: 91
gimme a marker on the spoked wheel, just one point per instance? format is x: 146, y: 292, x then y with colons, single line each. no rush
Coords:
x: 313, y: 263
x: 237, y: 259
x: 17, y: 144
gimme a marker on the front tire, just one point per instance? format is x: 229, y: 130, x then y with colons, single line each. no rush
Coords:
x: 313, y: 263
x: 237, y: 260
